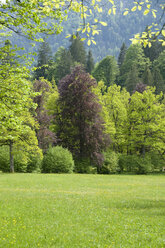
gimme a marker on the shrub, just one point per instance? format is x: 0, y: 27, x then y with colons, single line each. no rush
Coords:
x: 57, y: 160
x: 20, y: 163
x: 4, y: 159
x: 23, y: 160
x: 34, y: 164
x: 135, y: 164
x: 110, y: 164
x: 82, y: 165
x: 158, y: 161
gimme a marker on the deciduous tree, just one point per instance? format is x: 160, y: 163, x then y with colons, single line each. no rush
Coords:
x: 44, y: 135
x: 82, y: 128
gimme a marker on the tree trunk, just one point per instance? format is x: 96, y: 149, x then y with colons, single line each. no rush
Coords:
x: 11, y: 157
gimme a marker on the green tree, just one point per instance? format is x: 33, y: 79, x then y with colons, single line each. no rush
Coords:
x: 146, y: 123
x: 154, y: 51
x: 106, y: 70
x: 117, y: 106
x: 44, y: 60
x: 63, y: 63
x: 17, y: 126
x: 132, y: 78
x: 158, y: 81
x: 77, y: 50
x: 134, y: 55
x: 122, y: 54
x: 160, y: 63
x: 90, y: 62
x: 147, y: 76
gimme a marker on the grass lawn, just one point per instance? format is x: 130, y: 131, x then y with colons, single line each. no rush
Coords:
x: 88, y: 211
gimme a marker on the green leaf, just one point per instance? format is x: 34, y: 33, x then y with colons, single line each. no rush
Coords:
x: 114, y: 11
x: 163, y: 32
x: 94, y: 42
x: 153, y: 13
x: 134, y: 8
x: 109, y: 11
x: 89, y: 42
x: 146, y: 12
x: 103, y: 23
x: 69, y: 35
x: 126, y: 13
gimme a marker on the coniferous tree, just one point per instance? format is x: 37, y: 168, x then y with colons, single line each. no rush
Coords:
x: 160, y: 63
x: 121, y: 56
x: 107, y: 70
x: 132, y: 79
x: 90, y: 62
x: 44, y: 60
x: 147, y: 76
x: 154, y: 51
x: 63, y: 61
x: 134, y: 55
x: 77, y: 50
x: 82, y: 128
x: 158, y: 80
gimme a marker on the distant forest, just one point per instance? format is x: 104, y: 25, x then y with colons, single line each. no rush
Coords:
x: 119, y: 29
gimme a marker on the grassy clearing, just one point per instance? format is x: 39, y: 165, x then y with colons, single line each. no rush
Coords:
x: 88, y: 211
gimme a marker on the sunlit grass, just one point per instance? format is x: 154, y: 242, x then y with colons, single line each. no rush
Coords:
x: 86, y: 211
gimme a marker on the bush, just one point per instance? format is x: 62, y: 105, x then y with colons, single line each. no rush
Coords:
x: 135, y: 164
x: 34, y: 164
x: 110, y: 164
x: 158, y: 161
x: 23, y: 161
x: 57, y: 160
x: 4, y: 159
x: 82, y: 165
x: 20, y: 164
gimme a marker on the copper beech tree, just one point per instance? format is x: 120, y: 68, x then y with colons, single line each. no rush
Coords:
x: 81, y: 125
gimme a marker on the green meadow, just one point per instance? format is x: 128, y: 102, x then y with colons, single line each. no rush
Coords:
x: 88, y: 211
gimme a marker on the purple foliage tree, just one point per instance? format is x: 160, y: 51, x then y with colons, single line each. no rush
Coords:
x: 81, y: 125
x: 44, y: 135
x: 140, y: 87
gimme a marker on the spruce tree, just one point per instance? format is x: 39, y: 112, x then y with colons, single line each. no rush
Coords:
x: 122, y: 53
x: 154, y: 50
x: 106, y: 70
x: 132, y: 79
x: 43, y: 61
x: 158, y: 80
x: 63, y: 61
x: 134, y: 55
x: 147, y: 76
x: 90, y: 62
x: 77, y: 50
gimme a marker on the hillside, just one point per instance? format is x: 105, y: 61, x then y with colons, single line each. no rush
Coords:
x: 119, y: 29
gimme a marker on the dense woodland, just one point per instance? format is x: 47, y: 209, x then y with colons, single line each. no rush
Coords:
x: 68, y: 113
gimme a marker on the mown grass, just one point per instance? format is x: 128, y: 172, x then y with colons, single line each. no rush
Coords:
x: 88, y: 211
